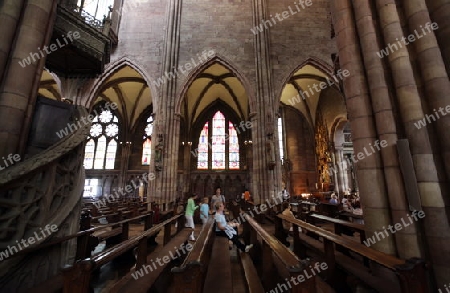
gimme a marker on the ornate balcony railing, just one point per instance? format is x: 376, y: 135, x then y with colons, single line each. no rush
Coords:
x: 86, y: 17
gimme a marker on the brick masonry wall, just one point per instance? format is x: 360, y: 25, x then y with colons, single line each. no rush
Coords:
x: 225, y: 27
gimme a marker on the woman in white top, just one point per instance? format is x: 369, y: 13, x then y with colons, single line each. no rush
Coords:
x: 215, y: 198
x: 227, y: 229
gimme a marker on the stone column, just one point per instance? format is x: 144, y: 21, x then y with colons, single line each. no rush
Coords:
x: 20, y: 84
x: 426, y: 164
x: 432, y: 69
x: 9, y: 18
x: 371, y: 178
x: 340, y: 170
x: 264, y: 132
x: 167, y: 123
x: 386, y: 126
x: 439, y: 11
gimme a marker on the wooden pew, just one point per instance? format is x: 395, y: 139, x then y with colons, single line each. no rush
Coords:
x: 340, y: 225
x: 77, y: 277
x: 219, y: 278
x: 190, y: 276
x: 84, y: 247
x: 251, y: 274
x: 291, y: 266
x: 328, y: 209
x: 411, y: 273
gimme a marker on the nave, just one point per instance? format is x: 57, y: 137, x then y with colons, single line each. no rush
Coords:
x: 127, y: 249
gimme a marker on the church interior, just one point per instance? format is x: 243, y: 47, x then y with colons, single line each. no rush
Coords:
x: 321, y: 125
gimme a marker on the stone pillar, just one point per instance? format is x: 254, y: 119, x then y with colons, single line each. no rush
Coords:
x: 386, y: 126
x: 20, y: 84
x: 167, y: 123
x: 371, y: 178
x: 439, y: 11
x: 267, y: 183
x: 340, y: 187
x: 432, y: 69
x: 9, y: 18
x: 426, y: 164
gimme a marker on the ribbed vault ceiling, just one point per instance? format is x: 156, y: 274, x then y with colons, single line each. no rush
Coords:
x: 128, y: 89
x: 215, y: 82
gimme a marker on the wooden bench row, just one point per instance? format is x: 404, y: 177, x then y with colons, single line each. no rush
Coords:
x: 411, y: 273
x: 77, y: 277
x: 289, y: 267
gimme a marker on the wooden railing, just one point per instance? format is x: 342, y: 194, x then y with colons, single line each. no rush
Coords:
x: 411, y: 273
x: 189, y: 277
x: 77, y: 277
x: 293, y: 267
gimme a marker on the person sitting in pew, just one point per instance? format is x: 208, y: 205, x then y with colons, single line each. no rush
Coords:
x: 225, y: 229
x: 333, y: 199
x: 287, y: 212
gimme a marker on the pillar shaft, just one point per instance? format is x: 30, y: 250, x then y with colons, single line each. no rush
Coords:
x: 370, y: 176
x: 425, y: 163
x: 167, y: 123
x: 264, y: 134
x: 406, y: 239
x: 9, y: 18
x: 439, y: 12
x: 432, y: 70
x: 20, y: 83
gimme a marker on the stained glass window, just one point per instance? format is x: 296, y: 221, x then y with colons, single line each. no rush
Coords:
x: 233, y: 162
x: 101, y: 148
x: 100, y: 153
x: 222, y: 141
x: 111, y: 154
x: 202, y: 162
x: 146, y: 152
x: 89, y: 154
x: 147, y: 145
x: 218, y: 141
x: 280, y: 138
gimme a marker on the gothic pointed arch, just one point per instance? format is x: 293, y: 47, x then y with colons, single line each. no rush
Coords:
x: 228, y: 70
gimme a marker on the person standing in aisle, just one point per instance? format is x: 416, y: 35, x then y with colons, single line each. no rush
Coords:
x: 189, y: 214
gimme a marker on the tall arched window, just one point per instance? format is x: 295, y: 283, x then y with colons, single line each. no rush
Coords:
x: 280, y: 138
x: 147, y: 145
x: 224, y: 141
x: 101, y: 148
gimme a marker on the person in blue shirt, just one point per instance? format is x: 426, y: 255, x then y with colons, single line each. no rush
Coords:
x: 333, y: 199
x: 227, y: 229
x: 204, y: 211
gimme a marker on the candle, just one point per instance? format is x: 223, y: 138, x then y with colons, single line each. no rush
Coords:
x: 316, y: 186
